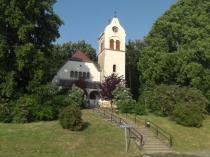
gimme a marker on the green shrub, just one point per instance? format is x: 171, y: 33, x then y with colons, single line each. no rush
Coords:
x: 188, y: 115
x: 162, y: 98
x: 71, y: 118
x: 5, y: 111
x: 22, y: 110
x: 126, y: 107
x: 140, y: 109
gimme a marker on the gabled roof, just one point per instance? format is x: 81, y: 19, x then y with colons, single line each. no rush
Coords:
x: 79, y: 55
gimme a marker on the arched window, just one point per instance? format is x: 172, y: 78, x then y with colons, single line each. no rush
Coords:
x: 80, y: 74
x: 111, y: 44
x: 84, y: 74
x: 75, y: 74
x: 88, y: 75
x: 117, y: 45
x: 72, y: 74
x: 114, y: 68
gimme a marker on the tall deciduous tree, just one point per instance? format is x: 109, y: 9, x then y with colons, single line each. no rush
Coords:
x: 177, y: 47
x: 133, y: 51
x: 107, y: 86
x: 26, y: 32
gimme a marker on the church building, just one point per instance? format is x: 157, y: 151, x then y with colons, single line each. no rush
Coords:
x: 111, y: 59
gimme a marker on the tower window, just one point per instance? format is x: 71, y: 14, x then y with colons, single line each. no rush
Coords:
x: 114, y: 68
x: 111, y: 44
x: 72, y: 74
x: 75, y: 74
x: 117, y: 45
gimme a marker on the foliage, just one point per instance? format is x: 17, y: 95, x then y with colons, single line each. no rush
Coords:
x: 42, y: 92
x: 81, y: 83
x: 123, y: 98
x: 108, y: 85
x: 177, y: 48
x: 27, y: 31
x: 140, y: 109
x: 187, y: 114
x: 22, y: 110
x: 5, y: 111
x: 132, y: 53
x: 77, y: 95
x: 126, y: 107
x: 71, y: 118
x: 163, y: 98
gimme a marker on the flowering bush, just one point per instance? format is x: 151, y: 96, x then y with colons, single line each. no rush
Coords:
x: 123, y: 98
x: 77, y: 95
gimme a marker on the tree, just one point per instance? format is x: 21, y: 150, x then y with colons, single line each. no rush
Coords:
x: 27, y: 31
x: 132, y: 53
x: 177, y: 48
x: 107, y: 86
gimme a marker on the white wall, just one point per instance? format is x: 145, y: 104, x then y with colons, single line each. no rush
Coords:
x: 64, y: 72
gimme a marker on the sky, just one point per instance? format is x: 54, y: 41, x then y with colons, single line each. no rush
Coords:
x: 87, y: 19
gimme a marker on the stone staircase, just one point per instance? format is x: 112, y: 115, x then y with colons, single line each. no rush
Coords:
x: 151, y: 143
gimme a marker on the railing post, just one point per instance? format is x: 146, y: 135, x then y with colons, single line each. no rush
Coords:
x: 170, y: 140
x: 129, y: 131
x: 111, y: 118
x: 157, y: 130
x: 145, y: 123
x: 141, y: 140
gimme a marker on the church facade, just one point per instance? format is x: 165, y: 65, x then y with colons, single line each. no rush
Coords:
x: 111, y: 59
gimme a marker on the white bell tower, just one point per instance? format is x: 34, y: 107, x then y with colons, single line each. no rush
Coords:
x: 111, y: 49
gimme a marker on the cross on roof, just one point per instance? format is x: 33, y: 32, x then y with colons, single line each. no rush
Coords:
x: 115, y: 14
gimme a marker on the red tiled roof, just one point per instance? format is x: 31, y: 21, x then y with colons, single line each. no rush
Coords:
x: 80, y: 55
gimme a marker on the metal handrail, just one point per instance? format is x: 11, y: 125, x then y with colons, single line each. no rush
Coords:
x: 159, y: 130
x: 121, y: 121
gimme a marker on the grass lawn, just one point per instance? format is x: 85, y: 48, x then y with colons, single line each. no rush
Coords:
x: 47, y: 139
x: 185, y: 139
